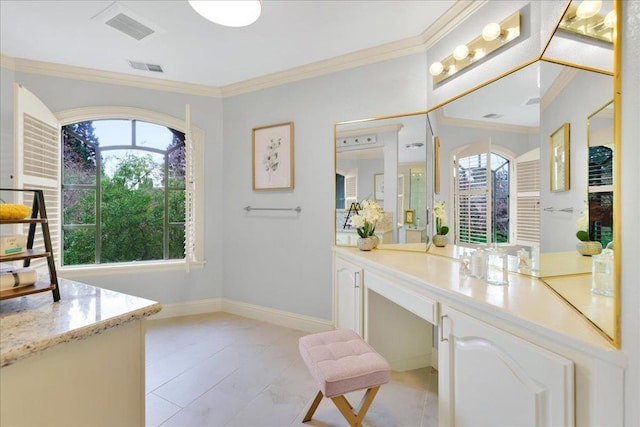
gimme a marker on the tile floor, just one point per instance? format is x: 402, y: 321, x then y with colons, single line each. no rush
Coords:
x: 225, y: 370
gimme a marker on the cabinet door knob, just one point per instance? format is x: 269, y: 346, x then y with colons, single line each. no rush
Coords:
x: 355, y: 279
x: 441, y: 327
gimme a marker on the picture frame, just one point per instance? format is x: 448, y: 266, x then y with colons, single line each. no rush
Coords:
x: 559, y: 159
x: 409, y: 216
x: 378, y: 186
x: 272, y: 157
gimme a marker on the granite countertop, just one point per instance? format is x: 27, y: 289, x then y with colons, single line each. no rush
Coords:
x: 33, y: 323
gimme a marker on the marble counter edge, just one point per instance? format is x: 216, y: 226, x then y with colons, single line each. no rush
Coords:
x: 601, y: 349
x: 23, y: 351
x: 23, y: 347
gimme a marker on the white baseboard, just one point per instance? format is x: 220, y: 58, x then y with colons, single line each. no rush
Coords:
x: 252, y: 311
x: 277, y: 317
x: 188, y: 308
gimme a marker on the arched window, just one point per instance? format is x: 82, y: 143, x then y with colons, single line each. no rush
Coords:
x: 482, y: 187
x: 123, y: 192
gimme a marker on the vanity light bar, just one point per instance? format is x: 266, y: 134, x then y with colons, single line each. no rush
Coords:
x: 356, y: 140
x: 595, y: 25
x: 494, y: 36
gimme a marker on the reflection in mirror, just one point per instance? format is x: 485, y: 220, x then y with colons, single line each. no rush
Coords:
x: 496, y: 174
x: 585, y: 36
x: 489, y: 166
x: 384, y: 160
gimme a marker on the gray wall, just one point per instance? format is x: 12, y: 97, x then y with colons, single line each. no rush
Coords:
x: 280, y: 260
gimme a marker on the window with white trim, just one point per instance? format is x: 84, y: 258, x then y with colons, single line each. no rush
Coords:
x: 38, y: 153
x: 123, y: 192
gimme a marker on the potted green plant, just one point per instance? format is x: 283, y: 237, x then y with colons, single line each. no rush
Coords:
x: 586, y: 246
x: 365, y: 222
x: 439, y: 239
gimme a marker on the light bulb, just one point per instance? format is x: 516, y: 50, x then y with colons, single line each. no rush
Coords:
x: 588, y: 8
x: 461, y: 52
x: 436, y: 68
x: 234, y: 13
x: 491, y: 31
x: 610, y: 19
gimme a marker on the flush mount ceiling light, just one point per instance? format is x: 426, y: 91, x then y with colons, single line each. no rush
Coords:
x: 494, y: 36
x: 230, y: 13
x: 586, y: 20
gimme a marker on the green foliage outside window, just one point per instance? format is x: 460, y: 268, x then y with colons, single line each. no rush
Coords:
x: 141, y: 203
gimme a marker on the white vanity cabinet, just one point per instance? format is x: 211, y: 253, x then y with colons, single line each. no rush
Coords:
x: 348, y: 295
x: 513, y: 355
x: 488, y: 377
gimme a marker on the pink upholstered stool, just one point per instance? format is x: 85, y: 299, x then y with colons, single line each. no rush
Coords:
x: 342, y: 362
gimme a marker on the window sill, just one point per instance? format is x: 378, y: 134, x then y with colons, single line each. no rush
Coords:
x: 79, y: 272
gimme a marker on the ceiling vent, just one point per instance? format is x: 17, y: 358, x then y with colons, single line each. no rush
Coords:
x: 492, y: 116
x: 129, y: 26
x: 127, y: 22
x: 532, y: 101
x: 146, y: 67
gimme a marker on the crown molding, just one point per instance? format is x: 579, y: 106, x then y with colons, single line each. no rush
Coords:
x: 108, y: 77
x: 478, y: 124
x: 457, y: 13
x: 564, y: 78
x: 453, y: 17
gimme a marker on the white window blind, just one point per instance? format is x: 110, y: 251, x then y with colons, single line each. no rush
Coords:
x: 350, y: 189
x: 37, y: 163
x: 528, y: 199
x: 473, y: 193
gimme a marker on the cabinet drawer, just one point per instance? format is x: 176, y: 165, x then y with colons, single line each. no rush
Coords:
x: 420, y: 305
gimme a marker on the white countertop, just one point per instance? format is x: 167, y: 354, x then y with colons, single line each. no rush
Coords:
x: 526, y: 301
x: 33, y: 323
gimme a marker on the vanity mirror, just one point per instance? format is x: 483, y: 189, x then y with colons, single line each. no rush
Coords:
x: 384, y: 159
x: 498, y: 167
x: 494, y: 167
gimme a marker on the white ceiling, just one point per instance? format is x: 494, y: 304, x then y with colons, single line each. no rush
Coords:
x: 191, y: 49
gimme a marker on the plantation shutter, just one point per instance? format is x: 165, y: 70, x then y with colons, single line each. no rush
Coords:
x: 528, y: 198
x: 37, y: 163
x: 350, y: 189
x: 473, y: 193
x: 190, y: 223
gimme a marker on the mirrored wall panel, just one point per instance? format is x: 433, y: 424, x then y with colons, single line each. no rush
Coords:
x: 384, y: 160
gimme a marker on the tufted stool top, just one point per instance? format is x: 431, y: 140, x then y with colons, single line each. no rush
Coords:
x: 341, y: 362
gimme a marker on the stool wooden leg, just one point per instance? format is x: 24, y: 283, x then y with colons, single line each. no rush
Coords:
x: 355, y: 417
x: 313, y: 407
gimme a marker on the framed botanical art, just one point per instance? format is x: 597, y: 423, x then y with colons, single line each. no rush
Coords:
x: 272, y: 152
x: 559, y: 159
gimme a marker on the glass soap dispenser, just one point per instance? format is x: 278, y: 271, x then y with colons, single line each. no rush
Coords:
x: 497, y: 270
x: 602, y: 272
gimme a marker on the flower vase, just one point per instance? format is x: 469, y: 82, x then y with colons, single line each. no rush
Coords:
x: 376, y: 240
x: 589, y: 248
x: 439, y: 240
x: 366, y: 243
